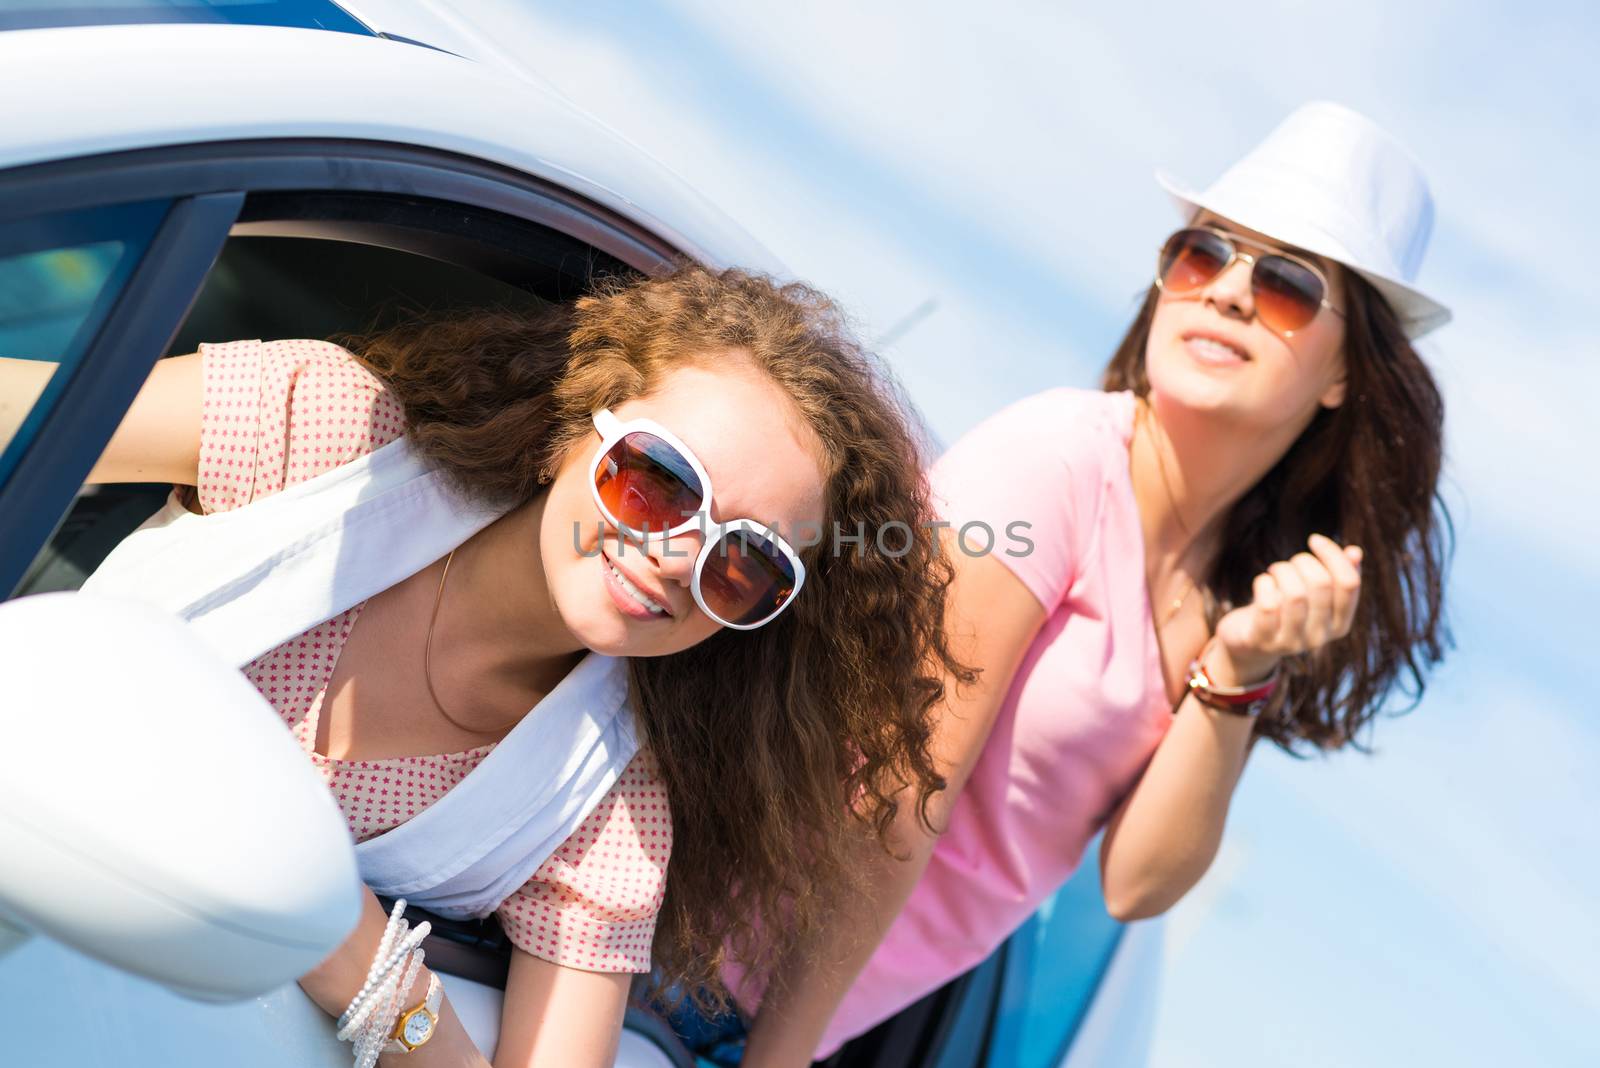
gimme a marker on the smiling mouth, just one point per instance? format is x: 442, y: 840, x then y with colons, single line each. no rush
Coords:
x: 633, y: 591
x: 1215, y: 348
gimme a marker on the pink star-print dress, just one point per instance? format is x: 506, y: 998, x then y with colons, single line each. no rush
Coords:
x: 280, y: 412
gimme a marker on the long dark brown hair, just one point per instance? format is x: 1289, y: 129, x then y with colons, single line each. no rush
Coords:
x: 775, y: 744
x: 1364, y: 473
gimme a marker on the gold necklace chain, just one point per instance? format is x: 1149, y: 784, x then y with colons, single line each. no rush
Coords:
x: 1178, y: 603
x: 1166, y: 486
x: 427, y: 658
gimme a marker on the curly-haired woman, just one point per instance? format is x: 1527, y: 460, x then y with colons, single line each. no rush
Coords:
x: 629, y: 634
x: 1239, y: 538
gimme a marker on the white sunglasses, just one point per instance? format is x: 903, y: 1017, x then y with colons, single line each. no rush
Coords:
x: 648, y: 483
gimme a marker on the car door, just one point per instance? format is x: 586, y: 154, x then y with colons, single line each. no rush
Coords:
x: 1070, y: 988
x: 165, y: 248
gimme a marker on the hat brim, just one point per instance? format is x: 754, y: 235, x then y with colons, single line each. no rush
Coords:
x: 1418, y: 313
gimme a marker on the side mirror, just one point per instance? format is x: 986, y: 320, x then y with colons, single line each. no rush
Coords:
x: 154, y: 811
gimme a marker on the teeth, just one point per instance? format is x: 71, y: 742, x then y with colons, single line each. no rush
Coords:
x: 1217, y: 348
x: 635, y: 592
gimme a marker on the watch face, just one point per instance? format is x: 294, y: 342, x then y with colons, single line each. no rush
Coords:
x: 418, y: 1026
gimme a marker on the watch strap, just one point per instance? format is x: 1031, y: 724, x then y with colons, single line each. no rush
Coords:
x: 1236, y: 700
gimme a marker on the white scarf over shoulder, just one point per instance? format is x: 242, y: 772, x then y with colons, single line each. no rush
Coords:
x: 252, y: 578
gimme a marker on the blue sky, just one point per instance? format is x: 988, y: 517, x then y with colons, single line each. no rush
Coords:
x: 1436, y: 901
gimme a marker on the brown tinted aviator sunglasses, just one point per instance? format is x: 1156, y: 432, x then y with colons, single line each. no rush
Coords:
x: 1288, y: 291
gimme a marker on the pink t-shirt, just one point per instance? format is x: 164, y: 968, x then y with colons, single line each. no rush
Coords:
x: 1084, y: 712
x: 280, y: 412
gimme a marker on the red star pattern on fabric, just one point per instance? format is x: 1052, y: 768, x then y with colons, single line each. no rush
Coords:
x: 280, y: 412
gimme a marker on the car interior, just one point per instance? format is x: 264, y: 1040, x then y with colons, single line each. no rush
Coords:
x: 278, y: 287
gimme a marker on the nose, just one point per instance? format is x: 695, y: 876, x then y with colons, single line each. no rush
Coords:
x: 674, y: 557
x: 1229, y: 293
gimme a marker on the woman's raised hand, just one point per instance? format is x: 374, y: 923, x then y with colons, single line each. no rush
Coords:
x: 1300, y: 604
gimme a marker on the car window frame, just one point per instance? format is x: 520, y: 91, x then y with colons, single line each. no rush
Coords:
x: 129, y: 226
x: 117, y: 360
x: 221, y: 188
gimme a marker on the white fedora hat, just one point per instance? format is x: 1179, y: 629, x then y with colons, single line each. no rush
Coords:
x: 1332, y: 182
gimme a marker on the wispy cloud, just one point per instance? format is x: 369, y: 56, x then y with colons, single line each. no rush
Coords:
x: 996, y: 160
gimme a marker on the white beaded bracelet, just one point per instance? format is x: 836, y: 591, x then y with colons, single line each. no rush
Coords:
x: 394, y: 968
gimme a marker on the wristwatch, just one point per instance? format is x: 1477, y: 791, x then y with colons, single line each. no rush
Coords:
x: 1236, y: 700
x: 416, y: 1025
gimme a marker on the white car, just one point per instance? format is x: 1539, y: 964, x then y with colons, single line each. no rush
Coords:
x: 177, y: 172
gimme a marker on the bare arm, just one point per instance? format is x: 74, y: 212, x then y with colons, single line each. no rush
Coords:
x: 1166, y: 832
x: 159, y: 437
x: 1164, y: 835
x: 558, y: 1017
x: 334, y: 982
x: 21, y: 382
x: 810, y: 984
x: 552, y: 1017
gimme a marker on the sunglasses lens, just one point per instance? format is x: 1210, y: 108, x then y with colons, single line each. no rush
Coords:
x: 746, y: 578
x: 647, y: 484
x: 1288, y: 294
x: 1192, y: 258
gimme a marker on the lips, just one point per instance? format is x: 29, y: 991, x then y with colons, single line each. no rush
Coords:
x: 634, y: 592
x: 1213, y: 348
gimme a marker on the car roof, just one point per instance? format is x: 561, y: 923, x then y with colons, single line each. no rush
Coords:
x: 142, y: 86
x: 306, y: 14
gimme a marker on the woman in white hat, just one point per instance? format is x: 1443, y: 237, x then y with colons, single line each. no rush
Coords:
x: 1238, y: 538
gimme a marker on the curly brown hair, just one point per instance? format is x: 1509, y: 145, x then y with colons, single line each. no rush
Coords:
x: 776, y: 744
x: 1365, y: 473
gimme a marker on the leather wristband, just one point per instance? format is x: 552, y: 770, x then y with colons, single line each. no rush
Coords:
x: 1235, y: 700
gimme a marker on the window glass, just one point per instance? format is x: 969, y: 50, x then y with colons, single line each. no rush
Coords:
x: 59, y: 276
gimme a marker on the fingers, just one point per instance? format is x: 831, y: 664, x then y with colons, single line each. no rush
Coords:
x: 1319, y: 598
x: 1299, y: 604
x: 1343, y: 569
x: 1308, y: 600
x: 1296, y: 606
x: 1267, y: 612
